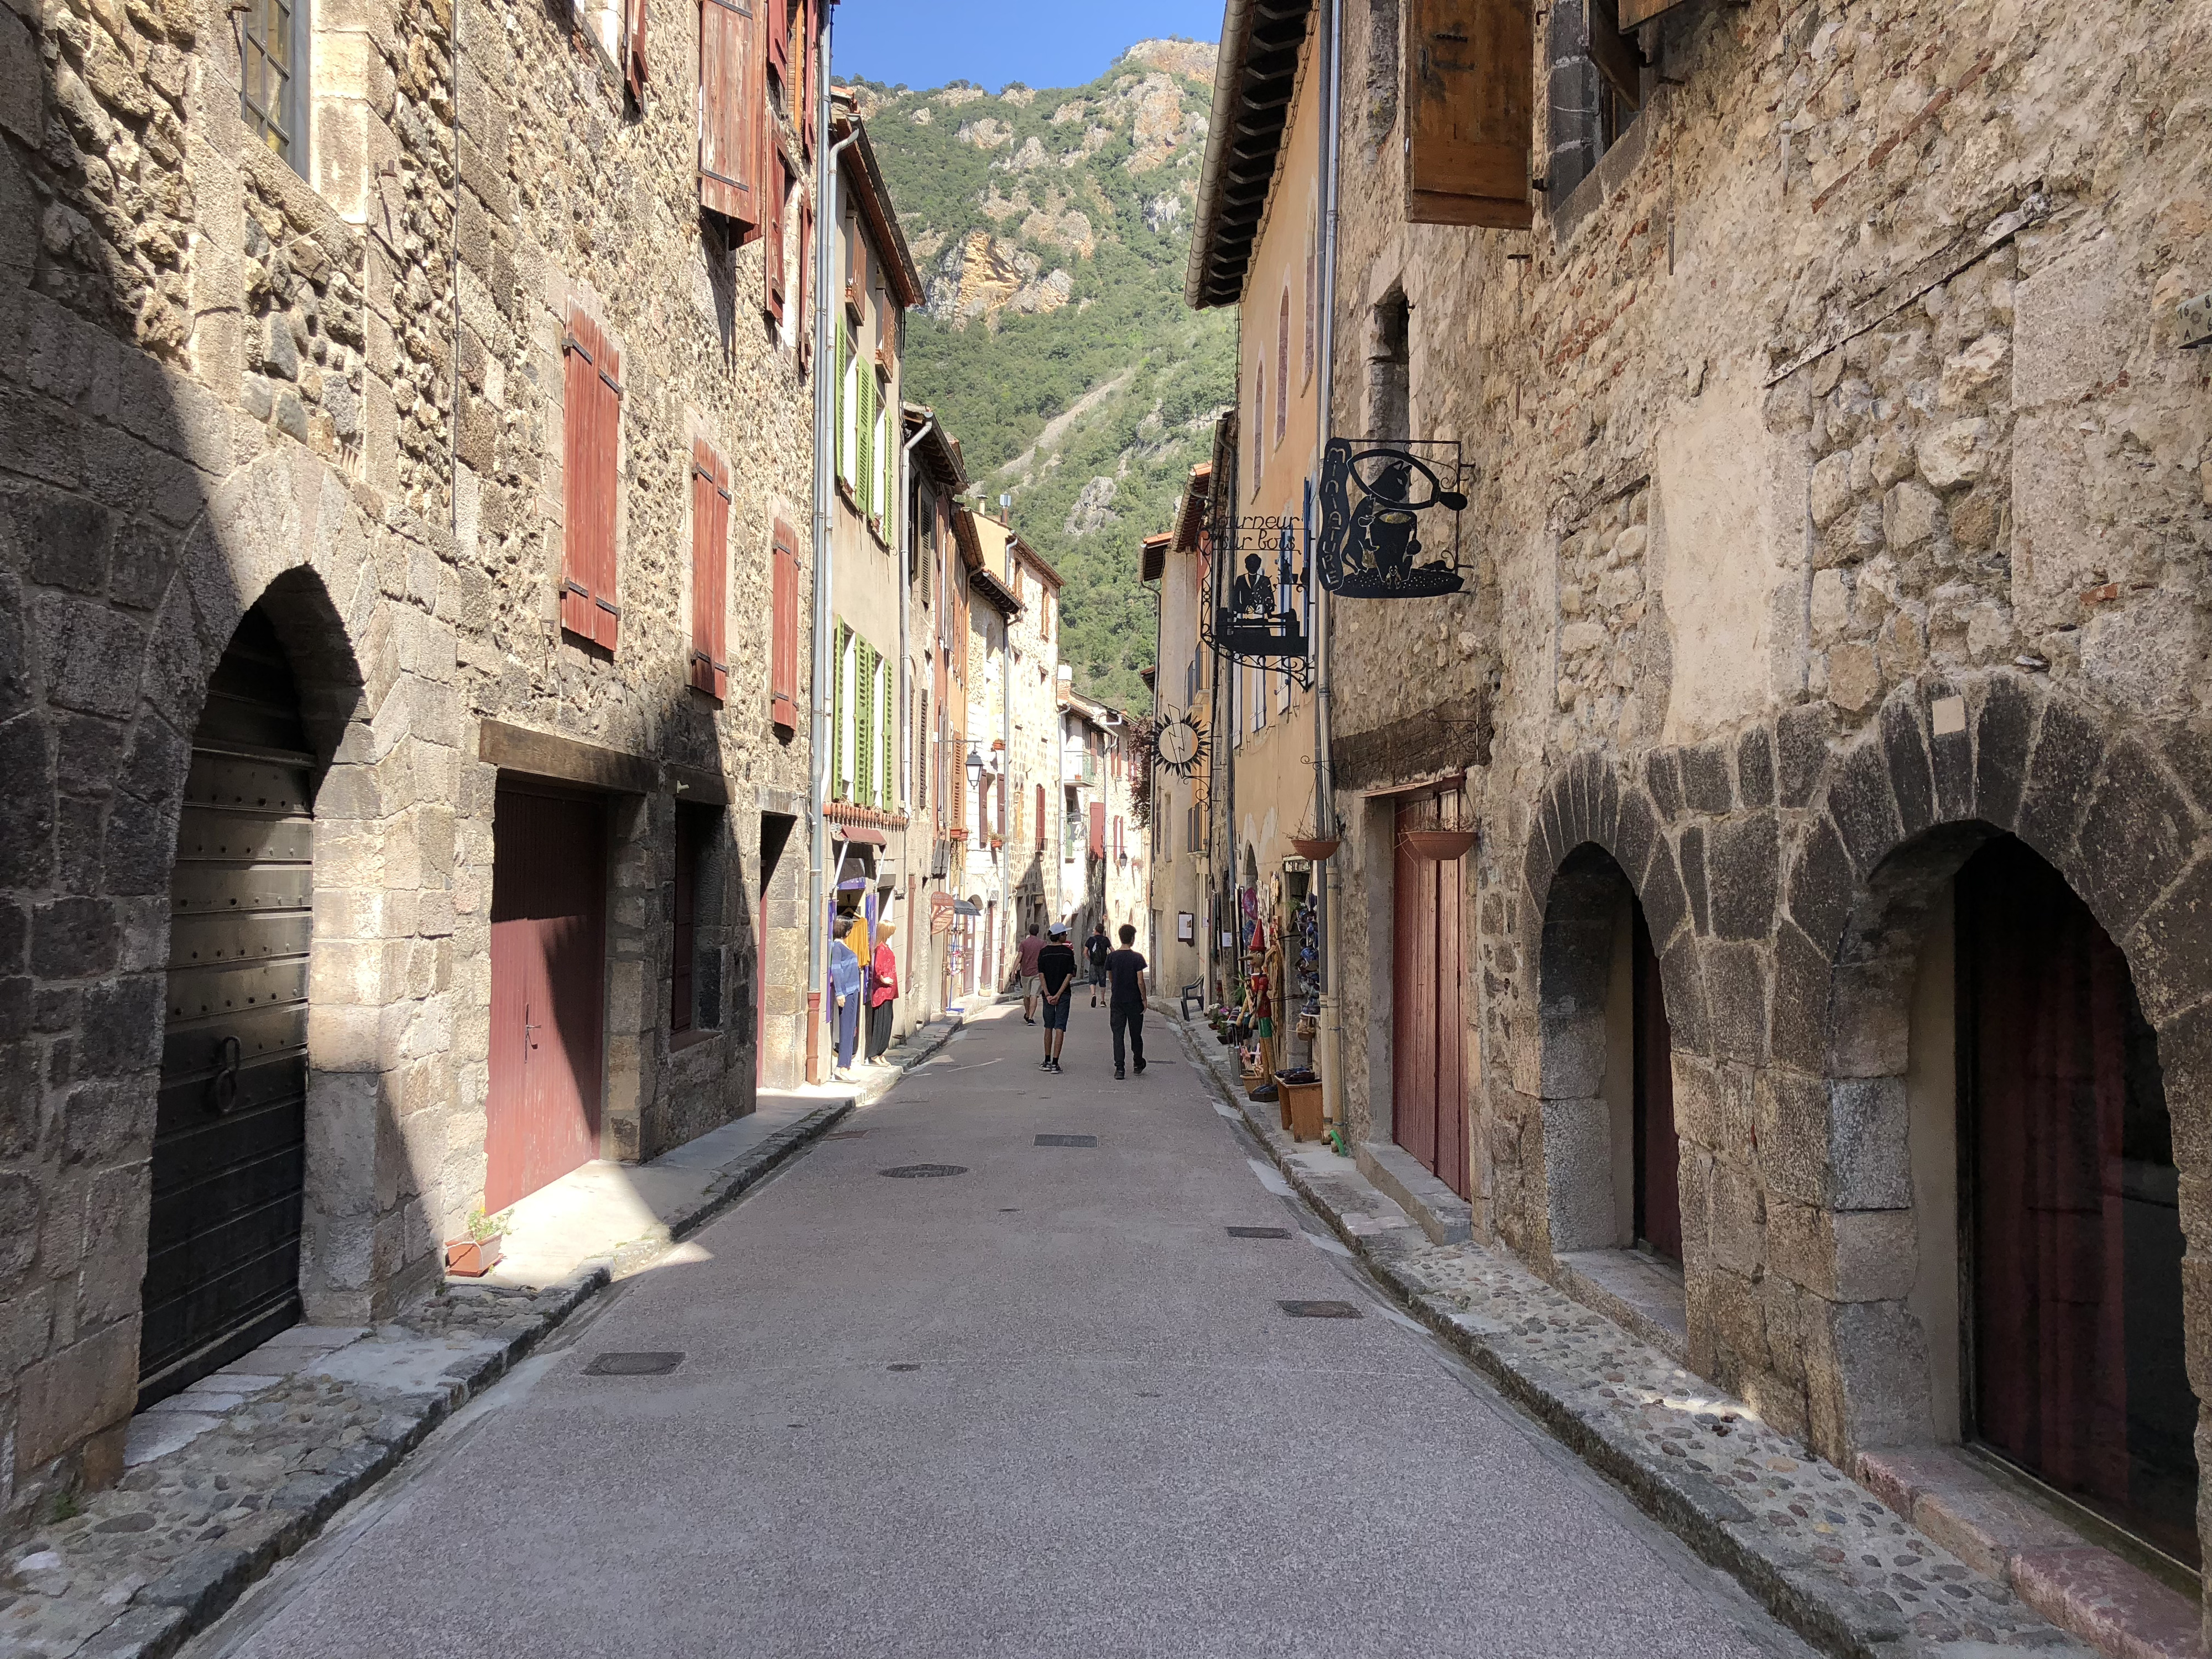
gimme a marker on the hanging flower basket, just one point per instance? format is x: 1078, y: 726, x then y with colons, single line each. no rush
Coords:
x: 1438, y: 846
x: 1315, y: 847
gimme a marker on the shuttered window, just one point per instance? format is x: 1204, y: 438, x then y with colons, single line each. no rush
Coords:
x: 805, y: 108
x: 1040, y: 817
x: 924, y: 752
x: 772, y: 262
x: 841, y: 717
x: 1313, y: 300
x: 863, y: 425
x: 634, y: 53
x: 591, y: 445
x: 886, y: 739
x: 864, y: 723
x: 856, y: 272
x: 710, y: 538
x: 849, y: 412
x: 1097, y: 828
x: 730, y: 106
x: 806, y: 283
x: 1259, y: 422
x: 779, y: 46
x: 783, y: 646
x: 1468, y: 104
x: 1283, y: 364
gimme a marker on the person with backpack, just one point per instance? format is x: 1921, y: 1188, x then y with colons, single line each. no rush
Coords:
x: 1125, y: 1009
x: 1095, y: 950
x: 1056, y: 992
x: 1031, y: 947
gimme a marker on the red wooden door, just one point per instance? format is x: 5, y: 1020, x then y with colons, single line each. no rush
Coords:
x: 1428, y: 1091
x: 548, y: 975
x: 1658, y: 1153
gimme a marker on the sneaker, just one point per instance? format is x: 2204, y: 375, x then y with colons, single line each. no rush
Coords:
x: 1118, y: 1075
x: 1056, y: 1068
x: 1140, y: 1068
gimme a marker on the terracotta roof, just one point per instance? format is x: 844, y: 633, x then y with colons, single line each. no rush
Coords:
x: 1190, y: 513
x: 940, y: 452
x: 1155, y: 556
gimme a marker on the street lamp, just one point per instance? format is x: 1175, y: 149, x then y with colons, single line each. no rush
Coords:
x: 974, y: 769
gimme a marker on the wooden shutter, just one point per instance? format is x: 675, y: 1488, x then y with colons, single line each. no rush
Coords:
x: 779, y: 45
x: 837, y: 712
x: 1039, y: 816
x: 783, y: 646
x: 1097, y: 828
x: 1470, y: 69
x: 805, y: 283
x: 710, y: 535
x: 591, y: 445
x: 1615, y: 54
x: 864, y: 422
x: 1634, y: 14
x: 863, y: 725
x: 856, y: 271
x: 729, y: 111
x: 779, y: 175
x: 887, y: 736
x: 634, y: 58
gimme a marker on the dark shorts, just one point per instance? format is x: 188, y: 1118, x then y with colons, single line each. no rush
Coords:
x: 1098, y: 973
x: 1055, y: 1013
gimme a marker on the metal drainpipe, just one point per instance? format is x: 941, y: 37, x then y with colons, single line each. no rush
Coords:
x: 1007, y: 762
x: 905, y: 715
x: 1325, y: 823
x: 825, y: 462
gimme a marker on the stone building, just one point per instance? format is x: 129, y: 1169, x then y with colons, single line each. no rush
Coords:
x: 1102, y: 861
x: 399, y: 399
x: 935, y: 715
x: 1179, y: 879
x: 1824, y: 987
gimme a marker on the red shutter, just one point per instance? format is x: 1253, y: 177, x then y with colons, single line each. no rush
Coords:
x: 1097, y: 828
x: 633, y: 60
x: 783, y: 646
x: 806, y: 58
x: 729, y: 110
x: 1039, y: 816
x: 592, y: 421
x: 710, y: 540
x: 778, y: 175
x: 779, y: 44
x: 805, y: 283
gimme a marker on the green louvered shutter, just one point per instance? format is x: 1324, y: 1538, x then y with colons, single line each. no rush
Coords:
x: 837, y: 715
x: 887, y: 732
x: 864, y: 728
x: 844, y: 367
x: 865, y: 482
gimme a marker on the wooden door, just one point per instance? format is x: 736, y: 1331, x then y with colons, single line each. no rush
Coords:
x: 1658, y: 1157
x: 548, y: 978
x: 230, y: 1158
x: 2072, y: 1223
x: 1428, y: 1086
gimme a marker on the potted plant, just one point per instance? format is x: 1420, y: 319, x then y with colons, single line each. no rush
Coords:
x: 479, y: 1253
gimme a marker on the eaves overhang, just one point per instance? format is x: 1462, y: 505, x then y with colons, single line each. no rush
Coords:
x: 1254, y: 77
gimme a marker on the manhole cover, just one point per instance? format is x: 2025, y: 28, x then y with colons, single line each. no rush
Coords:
x: 1067, y: 1140
x: 1259, y: 1232
x: 923, y: 1171
x: 633, y: 1365
x: 1319, y: 1309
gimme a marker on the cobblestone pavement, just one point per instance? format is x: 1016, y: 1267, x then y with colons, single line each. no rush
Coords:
x: 1820, y: 1550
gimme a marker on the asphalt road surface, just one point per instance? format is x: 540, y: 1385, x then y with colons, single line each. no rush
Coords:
x: 1045, y: 1406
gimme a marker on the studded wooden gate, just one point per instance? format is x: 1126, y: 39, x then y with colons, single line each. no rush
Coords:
x: 229, y: 1161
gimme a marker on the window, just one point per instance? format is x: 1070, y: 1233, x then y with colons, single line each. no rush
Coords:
x: 1468, y: 110
x: 847, y: 370
x: 710, y: 536
x: 634, y: 49
x: 1040, y: 817
x: 272, y: 79
x: 843, y: 716
x: 731, y: 110
x: 783, y: 646
x: 1313, y: 297
x: 1390, y: 388
x: 590, y: 444
x: 886, y: 796
x: 1598, y: 88
x: 694, y: 990
x: 1097, y: 828
x: 925, y: 750
x: 1283, y: 364
x: 772, y: 264
x: 1259, y: 422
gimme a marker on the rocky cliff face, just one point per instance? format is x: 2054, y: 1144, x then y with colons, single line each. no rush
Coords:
x: 1051, y: 227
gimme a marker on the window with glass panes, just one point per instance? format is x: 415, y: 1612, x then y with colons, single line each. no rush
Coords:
x: 272, y: 82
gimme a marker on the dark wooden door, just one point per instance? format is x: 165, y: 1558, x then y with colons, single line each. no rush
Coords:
x: 548, y: 978
x: 1428, y: 1088
x: 229, y: 1160
x: 2072, y: 1223
x: 1658, y: 1152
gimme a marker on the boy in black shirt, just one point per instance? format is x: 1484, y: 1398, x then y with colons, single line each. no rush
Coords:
x: 1095, y: 950
x: 1125, y: 1012
x: 1057, y: 971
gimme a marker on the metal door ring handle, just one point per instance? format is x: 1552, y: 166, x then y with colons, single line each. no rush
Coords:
x: 222, y: 1088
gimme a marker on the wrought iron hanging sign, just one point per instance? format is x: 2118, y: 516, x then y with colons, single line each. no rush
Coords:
x: 1377, y: 497
x: 1257, y: 612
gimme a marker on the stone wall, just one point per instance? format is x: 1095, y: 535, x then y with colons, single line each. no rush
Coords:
x: 1839, y: 498
x: 338, y: 396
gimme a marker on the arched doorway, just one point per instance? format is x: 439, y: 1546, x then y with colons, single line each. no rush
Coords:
x: 2070, y: 1223
x: 229, y: 1156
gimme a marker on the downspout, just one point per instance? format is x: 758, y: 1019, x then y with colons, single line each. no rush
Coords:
x: 1006, y: 766
x: 825, y: 462
x: 913, y: 952
x: 1325, y: 821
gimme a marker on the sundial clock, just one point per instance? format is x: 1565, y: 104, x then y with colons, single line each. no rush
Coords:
x: 1180, y: 743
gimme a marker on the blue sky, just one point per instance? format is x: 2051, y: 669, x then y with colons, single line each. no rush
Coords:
x: 1040, y: 42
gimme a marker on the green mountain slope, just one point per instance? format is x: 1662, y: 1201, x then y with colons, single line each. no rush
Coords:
x: 1051, y: 228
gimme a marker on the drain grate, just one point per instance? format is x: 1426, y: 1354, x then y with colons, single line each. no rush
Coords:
x: 1319, y: 1309
x: 1067, y: 1140
x: 846, y: 1134
x: 923, y: 1171
x: 633, y: 1365
x: 1259, y: 1232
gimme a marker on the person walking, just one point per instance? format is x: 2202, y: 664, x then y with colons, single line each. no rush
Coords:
x: 883, y: 994
x: 1056, y: 977
x: 844, y: 1004
x: 1097, y: 950
x: 1125, y: 1007
x: 1032, y: 948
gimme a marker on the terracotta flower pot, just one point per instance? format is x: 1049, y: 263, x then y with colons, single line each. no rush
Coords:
x: 1315, y: 847
x: 472, y: 1258
x: 1440, y: 846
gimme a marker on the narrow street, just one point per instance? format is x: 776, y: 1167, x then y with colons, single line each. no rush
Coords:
x: 1045, y: 1406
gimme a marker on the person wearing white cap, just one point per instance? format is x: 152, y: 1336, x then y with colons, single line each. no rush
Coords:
x: 1056, y: 980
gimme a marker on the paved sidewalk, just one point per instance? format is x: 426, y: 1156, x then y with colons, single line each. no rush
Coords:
x: 232, y: 1474
x: 1826, y: 1555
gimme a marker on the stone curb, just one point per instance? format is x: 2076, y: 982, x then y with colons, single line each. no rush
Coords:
x: 198, y: 1589
x: 202, y: 1586
x: 1820, y: 1606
